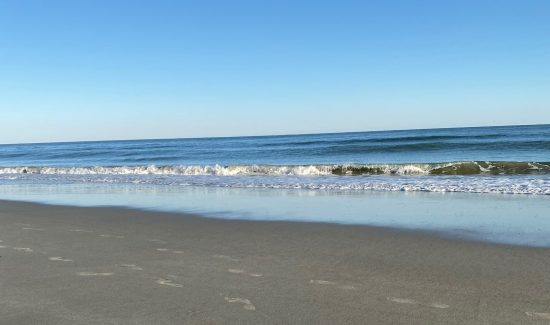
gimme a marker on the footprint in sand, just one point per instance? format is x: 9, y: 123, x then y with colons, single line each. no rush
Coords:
x: 169, y: 250
x: 94, y: 274
x: 225, y: 257
x: 330, y: 283
x: 235, y: 271
x: 79, y: 230
x: 414, y: 302
x: 23, y: 249
x: 158, y: 241
x: 59, y: 259
x: 247, y: 305
x: 322, y: 282
x: 111, y: 236
x: 438, y: 305
x: 402, y: 300
x: 238, y: 271
x: 166, y: 282
x: 545, y: 316
x: 131, y: 267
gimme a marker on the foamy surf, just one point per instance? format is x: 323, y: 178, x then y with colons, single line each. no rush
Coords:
x: 538, y: 184
x: 451, y: 168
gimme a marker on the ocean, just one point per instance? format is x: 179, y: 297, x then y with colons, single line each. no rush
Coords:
x: 509, y: 159
x: 489, y: 183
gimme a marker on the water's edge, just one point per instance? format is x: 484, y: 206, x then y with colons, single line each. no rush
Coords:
x: 442, y: 234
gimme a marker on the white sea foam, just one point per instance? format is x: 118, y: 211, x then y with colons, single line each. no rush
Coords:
x: 216, y: 170
x: 504, y: 184
x: 291, y: 170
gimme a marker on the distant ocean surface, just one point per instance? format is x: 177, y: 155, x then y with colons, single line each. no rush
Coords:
x: 508, y: 160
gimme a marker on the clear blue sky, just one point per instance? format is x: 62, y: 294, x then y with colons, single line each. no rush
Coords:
x: 92, y: 69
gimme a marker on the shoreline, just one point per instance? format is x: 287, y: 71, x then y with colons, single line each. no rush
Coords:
x: 98, y: 265
x: 396, y: 230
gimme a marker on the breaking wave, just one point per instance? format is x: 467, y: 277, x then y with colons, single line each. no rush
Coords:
x: 452, y: 168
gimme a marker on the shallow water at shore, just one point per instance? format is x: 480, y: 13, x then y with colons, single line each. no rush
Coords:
x: 511, y: 219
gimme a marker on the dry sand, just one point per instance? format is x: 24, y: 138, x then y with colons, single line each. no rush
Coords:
x: 70, y: 265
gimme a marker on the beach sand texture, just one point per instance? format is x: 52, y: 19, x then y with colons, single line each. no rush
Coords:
x: 72, y: 265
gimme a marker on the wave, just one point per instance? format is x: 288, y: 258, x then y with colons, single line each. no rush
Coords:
x: 377, y: 141
x: 452, y: 168
x: 428, y: 147
x: 507, y: 184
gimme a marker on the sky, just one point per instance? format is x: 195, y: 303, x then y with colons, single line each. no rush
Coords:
x: 107, y: 69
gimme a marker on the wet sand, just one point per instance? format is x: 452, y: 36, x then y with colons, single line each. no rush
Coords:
x: 71, y: 265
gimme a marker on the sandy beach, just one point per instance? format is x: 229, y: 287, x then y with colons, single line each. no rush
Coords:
x: 72, y: 265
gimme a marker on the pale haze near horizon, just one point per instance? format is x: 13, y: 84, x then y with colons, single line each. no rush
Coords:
x: 128, y: 70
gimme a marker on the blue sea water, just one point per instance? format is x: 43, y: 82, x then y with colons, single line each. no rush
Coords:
x: 489, y: 183
x: 508, y: 143
x: 510, y: 159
